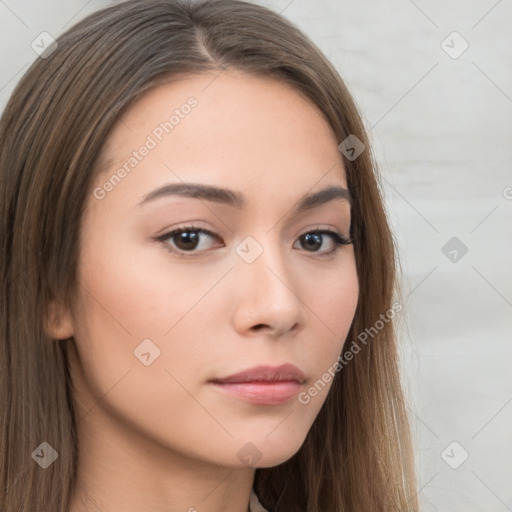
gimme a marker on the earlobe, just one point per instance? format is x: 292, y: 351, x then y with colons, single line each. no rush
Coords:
x: 58, y: 323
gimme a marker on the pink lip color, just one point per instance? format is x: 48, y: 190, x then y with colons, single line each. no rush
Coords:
x: 263, y: 385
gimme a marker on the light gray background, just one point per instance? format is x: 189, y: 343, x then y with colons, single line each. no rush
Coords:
x: 442, y: 131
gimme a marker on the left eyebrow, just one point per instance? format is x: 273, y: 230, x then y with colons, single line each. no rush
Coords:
x: 237, y: 200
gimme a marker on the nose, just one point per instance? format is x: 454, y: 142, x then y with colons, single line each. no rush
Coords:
x: 267, y: 296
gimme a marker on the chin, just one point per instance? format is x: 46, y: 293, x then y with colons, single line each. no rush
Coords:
x: 269, y: 449
x: 276, y: 459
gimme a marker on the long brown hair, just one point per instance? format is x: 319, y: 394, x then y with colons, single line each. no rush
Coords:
x: 357, y: 455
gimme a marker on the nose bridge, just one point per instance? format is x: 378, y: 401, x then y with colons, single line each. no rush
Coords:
x: 264, y: 260
x: 267, y: 293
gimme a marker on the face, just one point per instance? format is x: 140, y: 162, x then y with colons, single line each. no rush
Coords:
x: 181, y: 290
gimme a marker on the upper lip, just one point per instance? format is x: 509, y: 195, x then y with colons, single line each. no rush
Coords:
x: 284, y: 372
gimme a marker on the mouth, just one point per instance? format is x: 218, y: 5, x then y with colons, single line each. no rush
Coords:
x: 263, y: 385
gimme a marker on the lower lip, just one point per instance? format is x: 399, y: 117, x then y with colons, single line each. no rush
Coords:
x: 262, y: 393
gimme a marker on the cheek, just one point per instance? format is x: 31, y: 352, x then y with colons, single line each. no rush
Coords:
x: 134, y: 306
x: 332, y: 301
x: 126, y: 308
x: 143, y: 295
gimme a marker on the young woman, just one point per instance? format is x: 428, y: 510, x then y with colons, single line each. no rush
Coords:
x: 198, y: 276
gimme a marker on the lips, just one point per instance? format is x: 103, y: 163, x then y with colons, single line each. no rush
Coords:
x: 263, y: 385
x: 285, y: 372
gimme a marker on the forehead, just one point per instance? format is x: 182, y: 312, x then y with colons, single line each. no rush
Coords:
x: 254, y: 133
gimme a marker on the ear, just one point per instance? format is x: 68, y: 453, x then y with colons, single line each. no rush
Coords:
x: 58, y: 323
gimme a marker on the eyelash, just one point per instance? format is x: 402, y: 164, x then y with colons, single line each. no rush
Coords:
x: 337, y: 238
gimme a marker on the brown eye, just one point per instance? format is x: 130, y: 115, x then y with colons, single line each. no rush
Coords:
x: 188, y: 239
x: 312, y: 241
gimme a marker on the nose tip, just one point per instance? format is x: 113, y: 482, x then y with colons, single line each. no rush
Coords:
x: 273, y: 329
x: 266, y: 299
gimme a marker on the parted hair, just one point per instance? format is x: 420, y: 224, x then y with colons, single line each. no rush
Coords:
x: 357, y: 455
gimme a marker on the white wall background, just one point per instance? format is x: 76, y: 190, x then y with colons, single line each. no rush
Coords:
x: 442, y: 130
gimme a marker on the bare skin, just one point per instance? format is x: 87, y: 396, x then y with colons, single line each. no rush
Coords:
x: 160, y: 437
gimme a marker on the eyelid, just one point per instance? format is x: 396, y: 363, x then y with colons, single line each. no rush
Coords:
x: 323, y: 227
x: 191, y: 224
